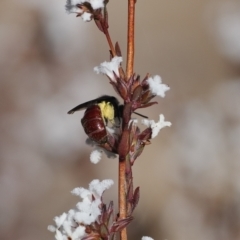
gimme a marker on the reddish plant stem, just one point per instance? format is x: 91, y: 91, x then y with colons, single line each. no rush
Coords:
x: 123, y: 151
x: 110, y: 43
x: 124, y: 142
x: 130, y: 42
x: 122, y: 197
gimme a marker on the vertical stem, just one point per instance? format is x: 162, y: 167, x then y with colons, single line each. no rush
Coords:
x: 130, y: 42
x: 123, y: 146
x: 123, y: 151
x: 122, y: 197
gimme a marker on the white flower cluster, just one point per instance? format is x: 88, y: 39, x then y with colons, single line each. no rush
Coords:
x: 72, y: 224
x: 71, y: 7
x: 109, y: 68
x: 156, y: 86
x: 156, y: 126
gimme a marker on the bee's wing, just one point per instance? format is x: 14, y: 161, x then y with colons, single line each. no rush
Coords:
x: 90, y: 103
x: 82, y: 106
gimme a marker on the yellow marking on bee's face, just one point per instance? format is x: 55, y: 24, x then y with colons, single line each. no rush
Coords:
x: 107, y: 111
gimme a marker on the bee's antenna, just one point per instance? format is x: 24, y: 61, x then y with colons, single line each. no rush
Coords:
x: 120, y: 113
x: 139, y: 114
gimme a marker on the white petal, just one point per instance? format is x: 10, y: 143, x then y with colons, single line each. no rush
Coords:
x: 59, y: 220
x: 157, y: 87
x: 96, y: 4
x: 86, y: 17
x: 81, y: 192
x: 147, y: 238
x: 67, y: 227
x: 71, y: 6
x: 51, y: 228
x: 78, y: 233
x: 95, y: 156
x: 94, y: 184
x: 156, y: 126
x: 95, y: 210
x: 84, y: 218
x: 75, y: 2
x: 84, y: 206
x: 59, y: 236
x: 159, y: 125
x: 108, y: 68
x: 100, y: 187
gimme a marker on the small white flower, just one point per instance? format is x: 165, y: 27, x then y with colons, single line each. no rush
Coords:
x: 156, y: 86
x: 108, y: 68
x: 156, y: 126
x: 86, y: 17
x: 147, y: 238
x: 96, y: 4
x: 71, y: 5
x: 96, y: 155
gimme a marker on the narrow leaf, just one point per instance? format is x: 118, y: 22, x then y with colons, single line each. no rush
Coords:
x: 118, y: 50
x: 99, y: 25
x: 120, y: 224
x: 136, y: 197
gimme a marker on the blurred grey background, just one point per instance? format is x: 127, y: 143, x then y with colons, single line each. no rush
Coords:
x: 189, y: 175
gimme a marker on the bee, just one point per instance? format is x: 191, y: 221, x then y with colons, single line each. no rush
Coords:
x: 99, y: 113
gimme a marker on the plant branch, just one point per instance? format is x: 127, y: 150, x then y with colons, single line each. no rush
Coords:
x: 110, y: 43
x: 124, y: 142
x: 122, y: 197
x: 130, y: 42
